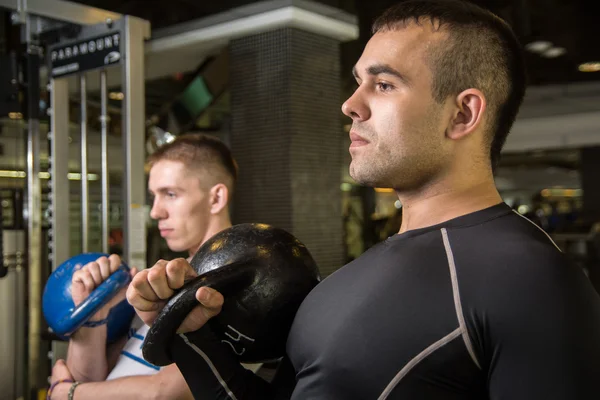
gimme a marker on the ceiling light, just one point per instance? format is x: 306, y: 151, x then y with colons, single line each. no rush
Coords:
x: 590, y: 67
x: 523, y: 209
x: 346, y: 187
x: 73, y: 176
x: 539, y: 46
x: 12, y: 174
x: 554, y: 52
x: 561, y: 192
x: 116, y: 96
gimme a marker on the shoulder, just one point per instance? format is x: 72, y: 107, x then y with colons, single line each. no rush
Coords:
x: 519, y: 293
x: 510, y: 270
x: 504, y: 249
x: 510, y: 274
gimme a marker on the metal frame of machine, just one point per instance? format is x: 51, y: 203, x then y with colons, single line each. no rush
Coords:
x: 36, y: 17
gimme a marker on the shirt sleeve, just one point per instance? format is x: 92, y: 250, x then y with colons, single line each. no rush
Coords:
x: 213, y: 372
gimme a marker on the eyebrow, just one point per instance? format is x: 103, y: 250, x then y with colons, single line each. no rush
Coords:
x: 382, y: 69
x: 163, y: 189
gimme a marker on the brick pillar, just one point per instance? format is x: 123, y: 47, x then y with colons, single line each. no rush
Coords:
x: 287, y: 137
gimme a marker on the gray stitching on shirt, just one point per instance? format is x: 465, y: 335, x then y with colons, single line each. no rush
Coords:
x: 543, y: 231
x: 412, y: 363
x: 457, y: 303
x: 210, y: 364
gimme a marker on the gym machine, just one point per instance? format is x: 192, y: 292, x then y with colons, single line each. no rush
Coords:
x: 63, y: 42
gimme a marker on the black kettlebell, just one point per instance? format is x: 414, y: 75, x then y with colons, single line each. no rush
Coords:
x: 264, y: 274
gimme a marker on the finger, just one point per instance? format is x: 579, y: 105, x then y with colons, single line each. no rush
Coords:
x: 133, y: 271
x: 178, y: 270
x: 60, y: 371
x: 82, y: 266
x: 95, y: 271
x: 114, y: 262
x: 79, y: 267
x: 85, y: 278
x: 78, y: 285
x: 157, y: 278
x: 211, y: 300
x: 140, y: 303
x: 104, y: 267
x: 142, y: 287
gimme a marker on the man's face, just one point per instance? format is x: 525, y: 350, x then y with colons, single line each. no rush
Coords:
x: 397, y: 127
x: 180, y: 205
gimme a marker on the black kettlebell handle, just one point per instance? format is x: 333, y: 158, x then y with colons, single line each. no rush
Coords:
x: 226, y: 279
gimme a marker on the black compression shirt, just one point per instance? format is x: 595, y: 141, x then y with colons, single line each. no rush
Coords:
x: 480, y: 307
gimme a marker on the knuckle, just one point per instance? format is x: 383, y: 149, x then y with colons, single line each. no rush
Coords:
x: 114, y: 261
x: 87, y: 266
x: 133, y: 297
x: 155, y: 275
x: 91, y: 266
x: 140, y: 280
x: 101, y: 259
x: 177, y: 266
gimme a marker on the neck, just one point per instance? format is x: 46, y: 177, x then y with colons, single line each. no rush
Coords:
x: 215, y: 226
x: 442, y: 202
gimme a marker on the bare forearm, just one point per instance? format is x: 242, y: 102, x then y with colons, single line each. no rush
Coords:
x: 86, y: 356
x: 170, y: 385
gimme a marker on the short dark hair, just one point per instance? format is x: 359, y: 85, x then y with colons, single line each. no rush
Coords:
x: 481, y: 52
x: 200, y: 152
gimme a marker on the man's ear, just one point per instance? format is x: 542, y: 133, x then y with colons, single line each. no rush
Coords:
x: 468, y: 114
x: 219, y: 198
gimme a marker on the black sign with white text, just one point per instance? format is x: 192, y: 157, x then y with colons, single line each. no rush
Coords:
x: 84, y: 55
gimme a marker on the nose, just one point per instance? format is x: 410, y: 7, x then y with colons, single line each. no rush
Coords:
x: 157, y: 211
x: 356, y: 107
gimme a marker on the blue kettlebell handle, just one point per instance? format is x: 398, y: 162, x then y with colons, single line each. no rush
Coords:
x: 95, y: 301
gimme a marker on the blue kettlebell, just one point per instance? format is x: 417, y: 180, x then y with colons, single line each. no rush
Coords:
x: 60, y: 312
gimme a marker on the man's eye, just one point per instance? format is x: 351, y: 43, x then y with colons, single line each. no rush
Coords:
x: 384, y: 86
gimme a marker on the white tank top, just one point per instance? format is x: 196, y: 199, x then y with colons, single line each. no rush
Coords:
x: 131, y: 361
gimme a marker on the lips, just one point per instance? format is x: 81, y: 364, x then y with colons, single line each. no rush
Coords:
x: 164, y: 231
x: 357, y: 140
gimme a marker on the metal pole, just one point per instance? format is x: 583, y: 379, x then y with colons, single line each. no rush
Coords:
x: 104, y: 144
x: 84, y: 167
x: 34, y: 208
x: 134, y: 116
x: 59, y: 170
x: 60, y: 243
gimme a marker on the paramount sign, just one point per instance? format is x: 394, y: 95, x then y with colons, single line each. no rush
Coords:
x: 85, y: 55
